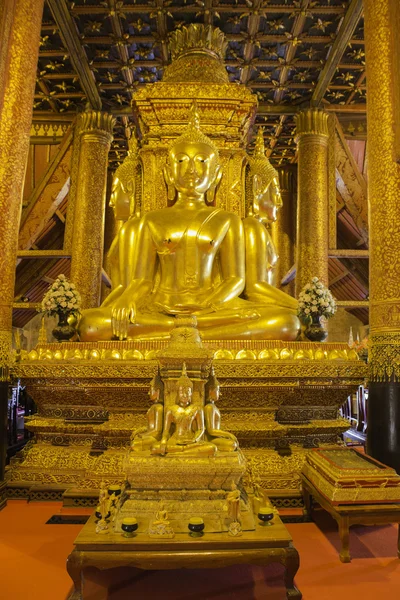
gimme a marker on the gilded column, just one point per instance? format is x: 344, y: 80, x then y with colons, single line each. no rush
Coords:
x: 382, y: 47
x: 283, y: 230
x: 312, y: 197
x: 89, y: 212
x: 20, y: 32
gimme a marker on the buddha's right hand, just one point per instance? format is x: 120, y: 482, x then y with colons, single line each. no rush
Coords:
x: 121, y: 317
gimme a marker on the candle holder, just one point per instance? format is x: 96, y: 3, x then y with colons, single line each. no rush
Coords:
x: 265, y: 515
x: 129, y: 526
x: 114, y: 489
x: 99, y: 516
x: 196, y: 526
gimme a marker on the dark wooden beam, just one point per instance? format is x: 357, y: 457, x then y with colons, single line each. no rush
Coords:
x: 70, y: 38
x: 343, y: 38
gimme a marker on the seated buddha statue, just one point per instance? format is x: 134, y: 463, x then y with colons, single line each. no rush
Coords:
x: 198, y: 252
x: 263, y: 200
x: 123, y: 203
x: 184, y: 425
x: 144, y: 438
x: 223, y: 440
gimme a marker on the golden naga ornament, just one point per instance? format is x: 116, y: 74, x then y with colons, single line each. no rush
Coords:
x: 189, y: 259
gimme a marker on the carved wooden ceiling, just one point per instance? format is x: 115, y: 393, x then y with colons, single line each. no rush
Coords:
x: 289, y: 52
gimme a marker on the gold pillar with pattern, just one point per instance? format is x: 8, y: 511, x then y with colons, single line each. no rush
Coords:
x: 20, y: 22
x: 89, y: 212
x: 382, y: 47
x: 312, y: 197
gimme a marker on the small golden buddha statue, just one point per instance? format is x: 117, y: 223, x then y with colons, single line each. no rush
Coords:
x: 144, y: 438
x: 123, y: 203
x: 223, y: 440
x: 263, y: 199
x: 198, y: 252
x: 184, y: 425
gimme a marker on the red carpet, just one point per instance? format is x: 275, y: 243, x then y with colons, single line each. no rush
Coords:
x: 33, y: 554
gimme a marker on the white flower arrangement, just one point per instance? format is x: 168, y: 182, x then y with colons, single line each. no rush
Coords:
x: 61, y: 297
x: 316, y: 299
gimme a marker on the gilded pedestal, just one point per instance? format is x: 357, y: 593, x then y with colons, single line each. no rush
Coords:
x: 279, y: 399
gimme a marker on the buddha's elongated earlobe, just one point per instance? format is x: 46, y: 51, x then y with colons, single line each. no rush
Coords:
x: 171, y: 191
x: 210, y: 195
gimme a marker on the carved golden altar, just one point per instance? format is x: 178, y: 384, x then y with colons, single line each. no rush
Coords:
x: 278, y: 397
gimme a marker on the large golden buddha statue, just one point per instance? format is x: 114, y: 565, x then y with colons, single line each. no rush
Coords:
x: 199, y: 255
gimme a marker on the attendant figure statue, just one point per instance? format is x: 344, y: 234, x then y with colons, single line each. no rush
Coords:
x: 144, y: 438
x: 263, y: 198
x: 184, y: 426
x: 198, y: 253
x: 223, y: 440
x: 123, y: 202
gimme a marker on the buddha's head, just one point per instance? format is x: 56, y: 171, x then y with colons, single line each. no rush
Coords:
x: 156, y: 391
x: 123, y: 188
x: 193, y: 166
x: 263, y: 184
x: 212, y: 387
x: 184, y: 388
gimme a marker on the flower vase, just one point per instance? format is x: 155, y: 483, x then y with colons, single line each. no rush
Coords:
x: 315, y: 331
x: 63, y: 331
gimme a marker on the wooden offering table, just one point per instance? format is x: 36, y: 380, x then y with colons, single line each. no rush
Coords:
x: 265, y: 545
x: 353, y: 488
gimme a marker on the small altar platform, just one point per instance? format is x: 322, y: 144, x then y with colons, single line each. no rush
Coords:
x: 265, y: 545
x: 278, y: 398
x: 354, y: 488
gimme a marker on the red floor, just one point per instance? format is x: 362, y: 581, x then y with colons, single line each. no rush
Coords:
x: 32, y: 565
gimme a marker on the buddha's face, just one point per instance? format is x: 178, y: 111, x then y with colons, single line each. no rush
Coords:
x: 267, y: 199
x: 122, y: 201
x: 184, y: 396
x: 154, y: 394
x: 193, y: 168
x: 213, y: 394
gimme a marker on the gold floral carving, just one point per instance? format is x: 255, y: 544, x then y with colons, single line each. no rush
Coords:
x: 312, y: 220
x: 17, y: 89
x: 381, y: 45
x: 88, y: 237
x: 384, y: 356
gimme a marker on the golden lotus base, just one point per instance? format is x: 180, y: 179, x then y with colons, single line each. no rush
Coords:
x: 278, y: 399
x: 262, y: 546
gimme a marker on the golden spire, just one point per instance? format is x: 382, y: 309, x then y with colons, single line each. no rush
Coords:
x: 212, y: 381
x: 259, y: 163
x: 193, y: 132
x: 259, y: 149
x: 126, y: 172
x: 157, y: 383
x: 184, y: 381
